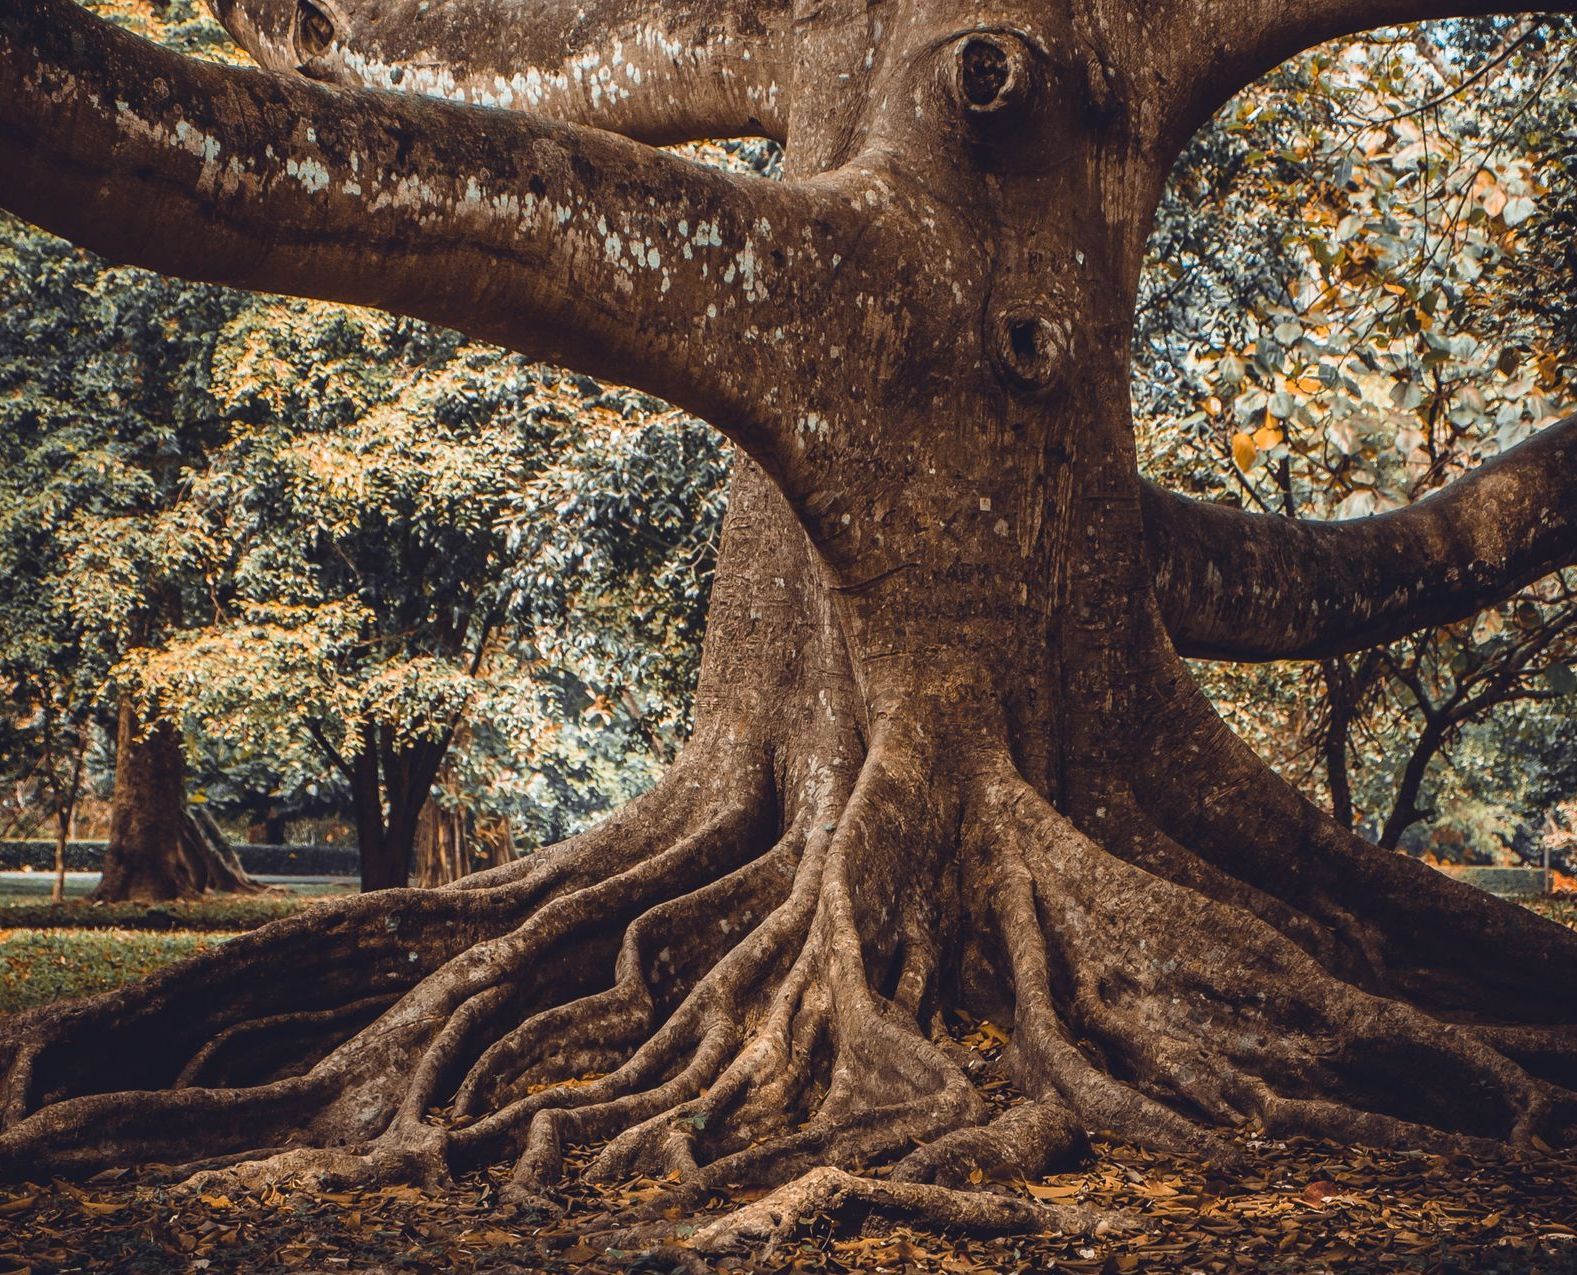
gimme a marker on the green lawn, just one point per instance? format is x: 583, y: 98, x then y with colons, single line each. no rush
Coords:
x: 40, y: 966
x: 24, y: 904
x: 54, y: 951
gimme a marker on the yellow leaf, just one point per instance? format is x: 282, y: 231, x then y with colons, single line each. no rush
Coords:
x: 1243, y: 450
x: 1308, y: 385
x: 217, y: 1201
x: 1265, y: 437
x: 99, y: 1207
x: 1046, y: 1191
x: 976, y: 1177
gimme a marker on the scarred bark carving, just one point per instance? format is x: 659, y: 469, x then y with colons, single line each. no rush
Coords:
x: 945, y: 756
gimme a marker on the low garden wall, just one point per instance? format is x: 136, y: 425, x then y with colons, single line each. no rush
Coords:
x: 259, y: 860
x: 1508, y: 883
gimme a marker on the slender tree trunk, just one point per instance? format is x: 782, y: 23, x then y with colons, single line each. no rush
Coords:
x: 390, y: 787
x: 1338, y: 699
x: 57, y: 892
x: 1405, y: 810
x: 384, y: 864
x: 405, y: 811
x: 67, y: 814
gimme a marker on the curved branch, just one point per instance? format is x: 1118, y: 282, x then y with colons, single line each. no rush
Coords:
x: 656, y: 72
x: 1241, y: 586
x: 562, y: 242
x: 1219, y: 47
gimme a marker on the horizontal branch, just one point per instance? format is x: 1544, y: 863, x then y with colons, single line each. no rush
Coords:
x: 562, y: 242
x: 1242, y: 586
x: 656, y: 72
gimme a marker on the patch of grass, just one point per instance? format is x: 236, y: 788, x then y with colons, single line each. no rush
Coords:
x: 38, y: 967
x: 1557, y: 907
x: 221, y: 912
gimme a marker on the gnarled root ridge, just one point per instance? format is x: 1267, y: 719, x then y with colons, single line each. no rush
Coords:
x: 725, y: 988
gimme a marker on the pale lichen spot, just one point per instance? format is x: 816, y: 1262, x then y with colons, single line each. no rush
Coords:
x: 309, y: 172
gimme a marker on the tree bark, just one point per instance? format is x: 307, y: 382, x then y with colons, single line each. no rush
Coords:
x: 1405, y: 810
x: 1339, y: 706
x: 390, y: 787
x: 947, y: 757
x: 1242, y: 586
x: 57, y: 889
x: 385, y: 864
x: 156, y: 850
x: 442, y: 849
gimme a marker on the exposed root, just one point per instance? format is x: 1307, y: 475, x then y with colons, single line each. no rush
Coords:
x: 1266, y: 1031
x: 1435, y: 942
x: 755, y: 993
x: 767, y: 1222
x: 1026, y: 1141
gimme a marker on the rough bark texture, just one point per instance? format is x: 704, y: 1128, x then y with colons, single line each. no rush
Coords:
x: 946, y: 755
x: 157, y: 849
x: 1244, y: 586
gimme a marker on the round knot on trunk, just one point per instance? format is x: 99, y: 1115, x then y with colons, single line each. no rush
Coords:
x: 990, y: 75
x: 315, y: 30
x: 1030, y: 349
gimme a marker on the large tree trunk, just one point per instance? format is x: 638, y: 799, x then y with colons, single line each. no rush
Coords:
x: 390, y: 787
x: 947, y: 756
x: 384, y: 863
x: 442, y: 848
x: 157, y: 850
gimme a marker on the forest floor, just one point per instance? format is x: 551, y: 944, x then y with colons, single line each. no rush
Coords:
x: 1296, y: 1207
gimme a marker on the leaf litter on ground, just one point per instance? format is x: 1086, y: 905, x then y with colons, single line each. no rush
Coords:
x: 1296, y: 1206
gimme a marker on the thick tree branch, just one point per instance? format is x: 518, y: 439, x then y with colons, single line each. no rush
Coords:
x: 560, y: 241
x: 1241, y: 586
x: 657, y: 72
x: 1223, y: 45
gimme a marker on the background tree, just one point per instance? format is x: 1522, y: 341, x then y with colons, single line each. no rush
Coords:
x: 946, y: 754
x: 1333, y: 324
x: 395, y: 539
x: 373, y: 566
x: 105, y: 409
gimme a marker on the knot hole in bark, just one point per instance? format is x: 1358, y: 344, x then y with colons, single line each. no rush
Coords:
x: 990, y: 75
x: 1030, y: 349
x: 314, y: 30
